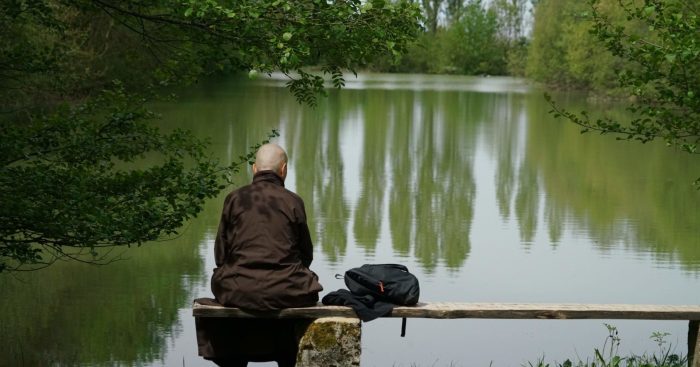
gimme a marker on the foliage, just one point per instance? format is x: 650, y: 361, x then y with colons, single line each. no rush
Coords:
x: 184, y: 39
x: 72, y: 187
x: 475, y: 41
x: 477, y: 47
x: 511, y: 15
x: 70, y: 138
x: 516, y: 57
x: 608, y: 355
x: 431, y: 10
x: 562, y: 52
x: 428, y: 54
x: 663, y: 74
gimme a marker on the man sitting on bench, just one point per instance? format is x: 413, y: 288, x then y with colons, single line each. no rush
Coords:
x: 263, y: 251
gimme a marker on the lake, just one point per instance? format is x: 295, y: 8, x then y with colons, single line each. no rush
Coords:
x: 470, y: 182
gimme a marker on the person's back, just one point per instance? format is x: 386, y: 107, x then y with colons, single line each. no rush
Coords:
x: 263, y: 249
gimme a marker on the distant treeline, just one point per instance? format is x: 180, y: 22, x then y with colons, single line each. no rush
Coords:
x: 545, y: 40
x: 471, y: 37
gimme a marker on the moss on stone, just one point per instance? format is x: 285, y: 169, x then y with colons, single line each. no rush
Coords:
x: 323, y: 335
x: 331, y: 342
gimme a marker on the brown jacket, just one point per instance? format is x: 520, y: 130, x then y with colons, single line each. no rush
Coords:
x: 263, y: 249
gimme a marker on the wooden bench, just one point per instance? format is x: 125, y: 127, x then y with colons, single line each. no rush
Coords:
x: 444, y: 310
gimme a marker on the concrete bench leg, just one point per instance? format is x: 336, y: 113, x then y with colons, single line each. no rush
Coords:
x: 331, y: 342
x: 694, y: 343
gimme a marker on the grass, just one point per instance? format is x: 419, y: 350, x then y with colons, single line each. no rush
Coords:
x: 608, y: 355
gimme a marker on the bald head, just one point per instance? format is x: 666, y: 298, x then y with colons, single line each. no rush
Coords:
x: 271, y: 157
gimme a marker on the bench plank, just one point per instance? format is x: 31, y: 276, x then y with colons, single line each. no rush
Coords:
x: 446, y: 310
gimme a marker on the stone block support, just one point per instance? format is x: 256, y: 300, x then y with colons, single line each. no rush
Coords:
x: 331, y: 342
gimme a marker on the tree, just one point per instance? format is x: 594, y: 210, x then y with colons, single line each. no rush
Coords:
x: 548, y: 57
x: 432, y: 10
x: 511, y: 23
x: 184, y: 39
x: 70, y: 135
x: 662, y: 72
x: 477, y: 47
x: 511, y: 16
x: 453, y: 10
x: 472, y: 37
x: 563, y: 53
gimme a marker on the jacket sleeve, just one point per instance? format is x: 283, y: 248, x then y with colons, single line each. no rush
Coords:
x: 306, y: 248
x: 222, y: 242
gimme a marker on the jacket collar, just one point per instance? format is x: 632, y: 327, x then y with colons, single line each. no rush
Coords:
x: 269, y: 176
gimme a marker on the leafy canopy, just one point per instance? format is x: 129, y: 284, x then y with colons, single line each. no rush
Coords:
x: 75, y: 135
x: 70, y: 187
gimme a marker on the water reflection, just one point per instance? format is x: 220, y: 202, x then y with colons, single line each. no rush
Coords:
x: 372, y: 108
x: 122, y: 313
x: 415, y: 170
x: 444, y: 186
x: 415, y: 150
x: 622, y: 193
x: 400, y: 149
x: 315, y: 150
x: 400, y: 172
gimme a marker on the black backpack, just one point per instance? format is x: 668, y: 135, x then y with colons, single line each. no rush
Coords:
x: 386, y: 282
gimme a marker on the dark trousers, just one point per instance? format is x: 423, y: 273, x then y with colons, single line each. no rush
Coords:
x: 235, y: 342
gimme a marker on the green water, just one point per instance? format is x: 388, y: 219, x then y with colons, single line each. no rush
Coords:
x: 468, y: 181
